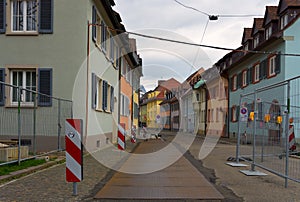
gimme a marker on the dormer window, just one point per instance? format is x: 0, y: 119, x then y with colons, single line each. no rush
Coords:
x: 268, y: 32
x: 256, y: 41
x: 283, y: 21
x: 246, y: 47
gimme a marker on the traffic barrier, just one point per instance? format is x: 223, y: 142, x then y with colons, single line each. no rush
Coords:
x: 121, y: 136
x: 133, y: 134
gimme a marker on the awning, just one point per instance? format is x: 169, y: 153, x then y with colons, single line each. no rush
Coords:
x: 199, y: 83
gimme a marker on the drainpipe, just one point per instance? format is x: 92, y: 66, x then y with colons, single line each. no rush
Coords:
x: 206, y: 100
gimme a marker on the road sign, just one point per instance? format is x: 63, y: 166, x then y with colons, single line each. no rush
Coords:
x: 74, y: 150
x: 244, y: 114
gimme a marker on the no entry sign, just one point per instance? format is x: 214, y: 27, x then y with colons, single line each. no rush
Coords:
x: 74, y: 150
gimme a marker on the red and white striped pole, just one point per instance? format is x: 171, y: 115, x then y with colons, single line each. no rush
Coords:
x: 74, y: 152
x: 121, y: 136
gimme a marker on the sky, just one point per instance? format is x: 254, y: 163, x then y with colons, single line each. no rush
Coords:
x: 168, y: 19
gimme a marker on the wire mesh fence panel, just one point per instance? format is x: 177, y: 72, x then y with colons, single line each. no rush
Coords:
x: 31, y: 123
x: 269, y: 132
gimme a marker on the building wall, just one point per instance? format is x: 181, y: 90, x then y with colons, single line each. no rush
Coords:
x: 126, y: 89
x: 267, y: 96
x: 135, y: 121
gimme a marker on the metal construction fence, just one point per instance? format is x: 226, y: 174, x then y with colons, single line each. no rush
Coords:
x: 31, y: 123
x: 268, y: 127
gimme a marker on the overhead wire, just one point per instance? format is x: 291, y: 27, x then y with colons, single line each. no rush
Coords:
x: 195, y: 44
x: 213, y: 17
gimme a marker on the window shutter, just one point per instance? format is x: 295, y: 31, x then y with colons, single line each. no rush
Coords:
x: 127, y: 106
x: 239, y: 80
x: 45, y: 87
x: 2, y: 16
x: 237, y: 113
x: 250, y: 75
x: 2, y: 87
x: 94, y: 91
x: 277, y: 65
x: 94, y: 28
x: 46, y: 16
x: 112, y: 101
x: 263, y: 69
x: 104, y: 100
x: 230, y: 114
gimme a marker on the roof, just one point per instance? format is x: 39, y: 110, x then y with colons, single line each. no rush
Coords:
x: 270, y: 14
x: 284, y: 4
x: 257, y: 25
x: 169, y: 84
x: 246, y: 35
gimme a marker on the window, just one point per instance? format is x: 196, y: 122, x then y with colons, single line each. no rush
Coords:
x: 198, y: 97
x: 29, y: 80
x: 256, y: 73
x: 102, y: 95
x: 272, y: 66
x: 26, y: 16
x: 256, y: 41
x: 234, y: 114
x: 268, y: 32
x: 244, y: 78
x: 246, y: 47
x: 283, y: 21
x: 124, y: 105
x: 217, y: 115
x: 234, y: 83
x: 26, y: 80
x: 104, y: 36
x: 112, y: 49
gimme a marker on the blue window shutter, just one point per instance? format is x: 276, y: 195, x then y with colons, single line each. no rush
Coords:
x: 45, y: 87
x: 94, y: 91
x: 2, y: 16
x: 46, y: 16
x: 112, y: 101
x: 104, y: 100
x: 277, y: 65
x: 94, y: 19
x: 2, y: 87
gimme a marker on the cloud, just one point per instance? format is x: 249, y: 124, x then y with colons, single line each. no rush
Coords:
x: 166, y: 18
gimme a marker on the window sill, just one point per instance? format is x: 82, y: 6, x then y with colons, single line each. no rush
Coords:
x: 255, y: 82
x: 24, y: 106
x: 22, y: 33
x: 271, y: 76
